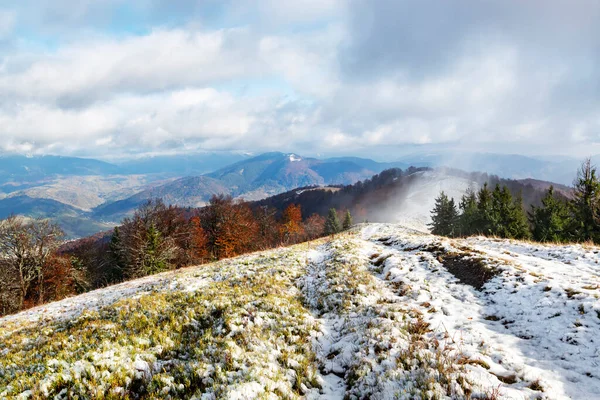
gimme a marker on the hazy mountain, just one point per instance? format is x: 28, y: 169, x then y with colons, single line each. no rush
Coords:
x: 81, y: 193
x: 555, y: 169
x: 87, y: 192
x: 76, y: 223
x: 252, y: 179
x: 19, y: 169
x: 274, y: 172
x: 182, y: 164
x: 184, y: 192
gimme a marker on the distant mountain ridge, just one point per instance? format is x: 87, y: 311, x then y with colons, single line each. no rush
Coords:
x: 16, y: 168
x: 82, y: 193
x: 252, y: 179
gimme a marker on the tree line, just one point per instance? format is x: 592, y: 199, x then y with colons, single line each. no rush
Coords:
x: 37, y: 267
x: 498, y: 213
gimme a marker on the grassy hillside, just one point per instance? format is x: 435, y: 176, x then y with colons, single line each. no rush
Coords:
x: 378, y: 312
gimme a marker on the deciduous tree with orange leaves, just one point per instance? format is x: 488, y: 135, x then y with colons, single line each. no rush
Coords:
x: 292, y: 228
x: 230, y: 227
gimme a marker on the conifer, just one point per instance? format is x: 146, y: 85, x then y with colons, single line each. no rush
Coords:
x: 550, y: 221
x: 444, y: 216
x: 332, y: 223
x: 347, y: 220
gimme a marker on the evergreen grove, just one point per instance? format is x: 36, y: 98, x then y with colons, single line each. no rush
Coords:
x: 498, y: 213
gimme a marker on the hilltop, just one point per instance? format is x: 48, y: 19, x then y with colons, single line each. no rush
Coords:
x: 379, y: 311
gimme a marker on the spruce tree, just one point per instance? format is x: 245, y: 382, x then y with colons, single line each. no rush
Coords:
x: 501, y: 212
x: 332, y: 223
x: 518, y: 226
x: 444, y: 216
x: 484, y: 222
x: 154, y: 258
x: 469, y: 214
x: 550, y: 222
x: 116, y: 262
x: 586, y: 204
x: 347, y: 220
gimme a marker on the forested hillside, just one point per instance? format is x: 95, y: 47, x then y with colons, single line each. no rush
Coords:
x: 377, y: 198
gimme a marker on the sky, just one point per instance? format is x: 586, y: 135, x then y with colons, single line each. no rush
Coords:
x: 377, y: 78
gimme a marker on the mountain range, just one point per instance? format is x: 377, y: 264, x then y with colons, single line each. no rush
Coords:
x: 87, y: 195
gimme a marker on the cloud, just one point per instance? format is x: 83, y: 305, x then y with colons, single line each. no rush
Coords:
x: 366, y: 77
x: 162, y: 60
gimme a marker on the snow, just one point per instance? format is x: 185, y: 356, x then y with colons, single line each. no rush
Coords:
x: 294, y: 158
x: 378, y: 310
x: 537, y: 320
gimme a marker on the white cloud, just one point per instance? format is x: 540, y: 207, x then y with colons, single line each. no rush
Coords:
x: 317, y: 76
x: 161, y: 60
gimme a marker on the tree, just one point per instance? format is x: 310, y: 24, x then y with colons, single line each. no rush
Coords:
x: 115, y: 266
x: 64, y: 276
x: 586, y: 204
x: 292, y: 228
x: 507, y: 217
x: 347, y: 220
x: 10, y: 291
x: 148, y: 239
x: 550, y: 222
x: 268, y: 234
x: 500, y: 210
x: 469, y: 214
x: 444, y: 216
x: 518, y: 226
x: 332, y: 223
x: 198, y: 252
x: 230, y: 227
x: 25, y: 247
x: 314, y: 227
x: 485, y: 213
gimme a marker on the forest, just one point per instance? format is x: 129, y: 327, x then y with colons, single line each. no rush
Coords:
x: 501, y: 213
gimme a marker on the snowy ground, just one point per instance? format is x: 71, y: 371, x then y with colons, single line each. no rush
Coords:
x: 380, y: 312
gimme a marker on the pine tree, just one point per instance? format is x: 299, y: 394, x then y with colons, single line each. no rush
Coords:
x: 444, y: 216
x: 347, y: 220
x: 484, y: 222
x: 518, y: 226
x: 116, y: 263
x: 469, y: 214
x: 550, y: 221
x: 586, y: 204
x: 501, y: 209
x: 332, y: 223
x: 155, y: 258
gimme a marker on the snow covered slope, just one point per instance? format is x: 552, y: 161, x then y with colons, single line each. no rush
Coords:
x: 379, y: 312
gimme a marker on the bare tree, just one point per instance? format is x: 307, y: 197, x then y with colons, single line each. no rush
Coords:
x: 10, y: 293
x: 25, y: 247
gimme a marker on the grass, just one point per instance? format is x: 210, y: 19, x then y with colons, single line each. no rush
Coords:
x: 240, y: 329
x: 394, y: 353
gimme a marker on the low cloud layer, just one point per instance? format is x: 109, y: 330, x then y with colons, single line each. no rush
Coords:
x: 116, y: 78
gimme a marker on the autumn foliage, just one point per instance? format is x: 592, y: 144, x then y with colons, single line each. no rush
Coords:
x: 156, y: 238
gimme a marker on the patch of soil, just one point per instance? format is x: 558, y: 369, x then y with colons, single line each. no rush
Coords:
x: 468, y: 269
